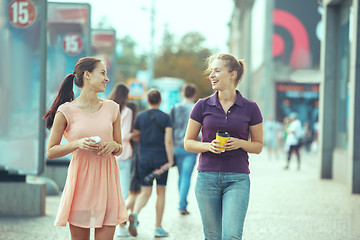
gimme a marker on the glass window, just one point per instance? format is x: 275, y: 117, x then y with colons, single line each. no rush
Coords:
x: 343, y: 75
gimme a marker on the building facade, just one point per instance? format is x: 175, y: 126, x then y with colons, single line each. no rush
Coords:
x: 325, y: 59
x: 340, y: 93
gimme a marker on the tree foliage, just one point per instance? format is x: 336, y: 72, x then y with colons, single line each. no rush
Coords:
x: 129, y: 62
x: 185, y: 60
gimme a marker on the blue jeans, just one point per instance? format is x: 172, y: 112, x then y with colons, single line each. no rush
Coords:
x: 185, y: 162
x: 223, y: 199
x: 124, y: 168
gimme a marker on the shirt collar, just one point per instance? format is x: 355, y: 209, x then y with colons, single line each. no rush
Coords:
x: 214, y: 99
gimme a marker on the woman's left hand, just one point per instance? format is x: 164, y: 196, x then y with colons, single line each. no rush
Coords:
x: 233, y: 144
x: 107, y: 148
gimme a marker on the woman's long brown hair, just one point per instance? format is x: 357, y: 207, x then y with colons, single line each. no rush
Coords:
x: 66, y: 93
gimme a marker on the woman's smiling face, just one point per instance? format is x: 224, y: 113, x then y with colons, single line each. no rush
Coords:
x: 99, y: 78
x: 220, y: 76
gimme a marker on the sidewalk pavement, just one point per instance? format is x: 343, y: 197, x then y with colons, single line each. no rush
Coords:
x: 284, y: 205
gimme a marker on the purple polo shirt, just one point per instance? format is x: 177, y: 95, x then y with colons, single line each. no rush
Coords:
x: 242, y: 114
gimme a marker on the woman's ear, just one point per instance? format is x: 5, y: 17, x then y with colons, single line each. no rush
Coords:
x: 233, y: 74
x: 87, y: 75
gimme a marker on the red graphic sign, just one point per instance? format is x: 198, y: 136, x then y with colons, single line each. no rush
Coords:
x: 71, y: 14
x: 22, y: 13
x: 73, y: 43
x: 300, y: 54
x: 103, y: 39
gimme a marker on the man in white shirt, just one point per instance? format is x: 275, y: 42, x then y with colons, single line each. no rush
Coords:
x: 294, y: 137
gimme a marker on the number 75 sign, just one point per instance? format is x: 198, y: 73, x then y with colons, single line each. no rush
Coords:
x: 22, y: 13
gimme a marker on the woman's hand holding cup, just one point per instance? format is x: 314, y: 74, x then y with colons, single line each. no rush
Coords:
x: 222, y: 137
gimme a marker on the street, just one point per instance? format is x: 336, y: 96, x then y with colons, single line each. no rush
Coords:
x: 284, y: 205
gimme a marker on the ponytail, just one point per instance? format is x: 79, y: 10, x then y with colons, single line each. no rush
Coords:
x: 231, y: 62
x: 65, y: 94
x: 241, y: 70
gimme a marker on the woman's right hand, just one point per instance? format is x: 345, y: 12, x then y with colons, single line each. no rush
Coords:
x: 214, y: 147
x: 87, y: 144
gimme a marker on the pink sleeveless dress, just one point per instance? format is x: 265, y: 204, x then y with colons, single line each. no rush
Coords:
x: 92, y: 194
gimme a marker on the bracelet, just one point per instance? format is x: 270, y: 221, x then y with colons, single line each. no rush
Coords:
x: 117, y: 150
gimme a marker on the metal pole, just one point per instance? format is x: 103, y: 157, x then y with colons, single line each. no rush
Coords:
x: 152, y: 35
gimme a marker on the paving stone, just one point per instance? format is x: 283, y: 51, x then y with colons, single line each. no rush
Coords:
x: 284, y: 205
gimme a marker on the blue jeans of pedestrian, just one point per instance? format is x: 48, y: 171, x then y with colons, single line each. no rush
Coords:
x: 223, y: 199
x: 185, y: 162
x: 125, y: 168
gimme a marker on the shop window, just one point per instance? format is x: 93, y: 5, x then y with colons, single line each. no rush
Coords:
x: 343, y: 75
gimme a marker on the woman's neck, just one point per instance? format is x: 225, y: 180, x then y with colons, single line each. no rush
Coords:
x: 89, y: 98
x: 227, y: 95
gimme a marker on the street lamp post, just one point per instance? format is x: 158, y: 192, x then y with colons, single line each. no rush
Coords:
x: 152, y: 36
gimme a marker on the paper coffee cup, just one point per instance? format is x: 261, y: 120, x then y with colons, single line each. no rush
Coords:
x: 222, y: 136
x: 96, y: 139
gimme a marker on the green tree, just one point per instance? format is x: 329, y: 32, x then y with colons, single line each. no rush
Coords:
x: 129, y: 62
x: 185, y: 60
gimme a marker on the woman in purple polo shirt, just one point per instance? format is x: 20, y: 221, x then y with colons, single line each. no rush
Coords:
x: 223, y: 184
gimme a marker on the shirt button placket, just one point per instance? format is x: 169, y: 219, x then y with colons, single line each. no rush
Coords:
x: 227, y: 114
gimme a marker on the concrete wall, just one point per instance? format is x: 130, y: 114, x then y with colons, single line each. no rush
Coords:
x: 56, y: 170
x: 354, y: 126
x: 343, y: 165
x: 22, y: 199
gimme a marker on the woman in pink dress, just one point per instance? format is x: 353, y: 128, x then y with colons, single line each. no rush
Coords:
x: 92, y: 195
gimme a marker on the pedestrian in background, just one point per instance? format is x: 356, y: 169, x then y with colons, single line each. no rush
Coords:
x: 308, y: 136
x: 286, y: 123
x: 135, y: 185
x: 156, y: 155
x: 271, y: 136
x: 184, y: 160
x: 223, y: 184
x: 93, y: 172
x: 295, y: 135
x: 120, y: 96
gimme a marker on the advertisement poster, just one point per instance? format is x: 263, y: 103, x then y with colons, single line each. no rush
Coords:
x: 297, y: 30
x: 68, y: 40
x: 22, y: 79
x: 103, y: 44
x: 302, y: 98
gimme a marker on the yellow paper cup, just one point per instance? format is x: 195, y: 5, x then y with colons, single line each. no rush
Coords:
x: 222, y: 136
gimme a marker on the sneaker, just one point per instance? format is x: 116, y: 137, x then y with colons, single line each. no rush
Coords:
x: 160, y: 232
x: 133, y: 224
x: 123, y: 232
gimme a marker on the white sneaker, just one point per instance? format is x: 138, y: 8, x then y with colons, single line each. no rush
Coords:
x: 123, y: 232
x: 160, y: 232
